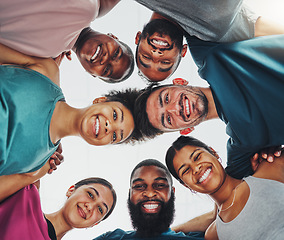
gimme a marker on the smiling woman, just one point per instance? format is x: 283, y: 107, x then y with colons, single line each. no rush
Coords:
x: 88, y: 202
x: 196, y: 166
x: 51, y: 118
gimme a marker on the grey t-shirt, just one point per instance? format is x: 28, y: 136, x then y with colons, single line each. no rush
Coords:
x: 261, y: 218
x: 209, y: 20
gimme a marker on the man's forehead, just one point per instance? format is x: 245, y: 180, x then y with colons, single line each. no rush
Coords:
x: 149, y: 172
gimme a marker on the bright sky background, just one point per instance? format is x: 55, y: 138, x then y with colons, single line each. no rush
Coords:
x: 116, y: 162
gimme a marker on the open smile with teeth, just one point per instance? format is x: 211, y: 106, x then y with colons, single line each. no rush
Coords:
x: 186, y: 107
x: 81, y: 212
x: 160, y: 43
x: 205, y: 175
x: 97, y: 126
x: 93, y: 58
x: 151, y: 207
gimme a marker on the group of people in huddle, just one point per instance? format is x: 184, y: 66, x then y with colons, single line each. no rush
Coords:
x: 240, y: 55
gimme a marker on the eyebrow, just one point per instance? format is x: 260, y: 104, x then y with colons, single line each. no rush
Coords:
x: 142, y: 63
x: 165, y: 69
x: 191, y: 155
x: 137, y: 180
x: 98, y: 194
x: 161, y: 105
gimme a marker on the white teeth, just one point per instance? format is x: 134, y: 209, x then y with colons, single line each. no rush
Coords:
x: 96, y: 53
x: 150, y: 206
x: 97, y: 126
x: 162, y: 43
x: 205, y: 175
x: 187, y: 107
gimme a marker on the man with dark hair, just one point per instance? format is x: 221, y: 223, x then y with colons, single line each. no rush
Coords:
x: 52, y: 28
x: 151, y: 206
x: 158, y: 55
x: 246, y: 86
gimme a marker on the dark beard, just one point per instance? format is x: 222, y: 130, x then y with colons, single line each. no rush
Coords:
x: 151, y: 225
x: 164, y: 27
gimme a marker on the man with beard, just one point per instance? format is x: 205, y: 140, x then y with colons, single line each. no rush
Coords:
x: 49, y: 28
x: 151, y: 206
x: 218, y: 21
x: 246, y: 81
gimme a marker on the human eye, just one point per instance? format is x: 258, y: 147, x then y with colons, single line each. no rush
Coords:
x: 160, y: 185
x: 197, y: 156
x: 166, y: 62
x: 114, y: 137
x: 100, y: 210
x: 139, y: 187
x: 106, y: 70
x: 90, y: 195
x: 114, y: 115
x: 185, y: 171
x: 146, y: 57
x: 169, y: 119
x: 167, y: 98
x: 115, y: 54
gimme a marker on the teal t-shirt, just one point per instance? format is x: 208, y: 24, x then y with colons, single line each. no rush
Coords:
x: 247, y: 82
x: 168, y: 235
x: 27, y: 101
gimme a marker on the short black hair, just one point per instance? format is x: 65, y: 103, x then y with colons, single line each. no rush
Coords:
x: 103, y: 182
x: 127, y: 97
x: 130, y: 68
x: 177, y: 145
x: 152, y: 162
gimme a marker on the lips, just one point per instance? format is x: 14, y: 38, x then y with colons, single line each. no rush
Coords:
x: 186, y: 107
x: 96, y: 127
x: 96, y: 56
x: 160, y: 43
x: 205, y: 175
x: 81, y: 212
x: 151, y: 207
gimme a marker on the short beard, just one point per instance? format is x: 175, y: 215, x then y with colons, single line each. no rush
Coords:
x: 164, y: 27
x: 151, y: 225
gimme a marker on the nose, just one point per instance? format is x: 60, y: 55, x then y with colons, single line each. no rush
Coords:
x: 196, y: 168
x: 174, y: 108
x: 108, y: 127
x: 157, y: 52
x: 149, y: 193
x: 88, y: 206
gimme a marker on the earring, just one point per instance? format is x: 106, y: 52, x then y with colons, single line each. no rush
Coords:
x: 186, y: 131
x: 180, y: 81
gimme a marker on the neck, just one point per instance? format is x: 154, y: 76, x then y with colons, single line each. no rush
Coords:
x: 212, y: 111
x: 64, y: 122
x: 225, y: 191
x: 156, y: 15
x: 59, y: 223
x: 83, y: 37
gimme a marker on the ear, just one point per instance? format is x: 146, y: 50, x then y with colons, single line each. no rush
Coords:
x: 70, y: 191
x: 137, y: 38
x: 184, y: 50
x: 174, y: 189
x: 214, y: 153
x: 112, y: 36
x: 186, y: 131
x: 99, y: 100
x: 180, y: 81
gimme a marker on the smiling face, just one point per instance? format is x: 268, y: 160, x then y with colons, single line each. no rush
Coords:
x: 106, y: 123
x: 198, y: 169
x: 150, y: 189
x: 159, y: 49
x: 176, y: 107
x: 103, y: 56
x: 87, y: 205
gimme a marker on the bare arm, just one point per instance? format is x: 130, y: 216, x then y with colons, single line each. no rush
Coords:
x: 45, y: 66
x: 198, y: 224
x: 265, y: 26
x: 106, y: 6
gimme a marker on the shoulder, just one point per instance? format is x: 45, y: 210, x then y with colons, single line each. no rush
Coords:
x: 116, y: 234
x: 211, y: 232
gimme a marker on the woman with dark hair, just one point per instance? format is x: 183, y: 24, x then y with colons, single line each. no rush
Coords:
x: 35, y: 116
x: 89, y: 201
x: 249, y: 208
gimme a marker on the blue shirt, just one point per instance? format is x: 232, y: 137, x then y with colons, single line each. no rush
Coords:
x: 247, y: 83
x: 120, y: 234
x: 27, y: 101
